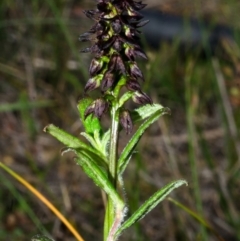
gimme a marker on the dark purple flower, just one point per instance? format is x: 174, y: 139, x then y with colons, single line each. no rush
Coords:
x: 135, y: 71
x: 95, y: 66
x: 133, y: 85
x: 97, y: 108
x: 108, y: 81
x: 126, y: 121
x: 141, y: 98
x: 117, y: 26
x: 116, y: 45
x: 93, y: 83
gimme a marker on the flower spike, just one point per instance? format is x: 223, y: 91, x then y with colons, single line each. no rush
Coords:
x: 116, y: 45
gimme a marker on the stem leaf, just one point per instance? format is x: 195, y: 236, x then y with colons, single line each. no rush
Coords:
x: 129, y: 148
x: 71, y: 141
x: 98, y: 176
x: 150, y: 204
x: 64, y: 137
x: 145, y: 111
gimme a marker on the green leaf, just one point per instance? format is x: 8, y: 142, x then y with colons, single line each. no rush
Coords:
x: 100, y: 143
x: 40, y: 237
x: 90, y: 123
x: 64, y: 137
x: 90, y: 139
x: 150, y: 204
x: 145, y: 111
x: 71, y: 141
x: 99, y: 177
x: 105, y: 141
x: 129, y: 148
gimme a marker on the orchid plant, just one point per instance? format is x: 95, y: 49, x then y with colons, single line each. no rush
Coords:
x: 114, y: 70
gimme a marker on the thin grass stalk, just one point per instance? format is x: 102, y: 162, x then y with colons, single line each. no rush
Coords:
x: 44, y: 200
x: 192, y: 142
x: 66, y: 33
x: 228, y: 112
x: 23, y: 203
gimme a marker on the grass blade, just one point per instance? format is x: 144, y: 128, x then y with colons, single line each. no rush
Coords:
x: 197, y: 217
x: 44, y: 200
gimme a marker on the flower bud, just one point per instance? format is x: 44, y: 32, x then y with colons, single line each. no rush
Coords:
x: 120, y: 65
x: 132, y: 33
x: 107, y: 81
x: 129, y: 52
x: 116, y: 64
x: 133, y: 13
x: 116, y: 26
x: 96, y: 28
x: 135, y: 71
x: 142, y: 23
x: 126, y: 121
x: 90, y: 14
x: 92, y: 49
x: 95, y: 66
x: 98, y: 108
x: 133, y: 85
x: 93, y: 83
x: 139, y: 53
x: 85, y: 37
x: 112, y: 62
x: 141, y: 98
x: 117, y: 45
x: 133, y: 52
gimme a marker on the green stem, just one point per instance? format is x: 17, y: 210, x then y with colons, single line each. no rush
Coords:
x: 110, y: 210
x: 113, y: 146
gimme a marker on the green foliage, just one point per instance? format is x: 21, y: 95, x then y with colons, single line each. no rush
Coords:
x: 85, y: 157
x: 51, y: 36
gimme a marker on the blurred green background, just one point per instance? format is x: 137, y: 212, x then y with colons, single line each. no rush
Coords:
x: 42, y: 75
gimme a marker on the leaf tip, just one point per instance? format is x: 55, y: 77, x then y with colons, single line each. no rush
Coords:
x: 46, y: 128
x: 65, y: 150
x: 181, y: 182
x: 167, y: 111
